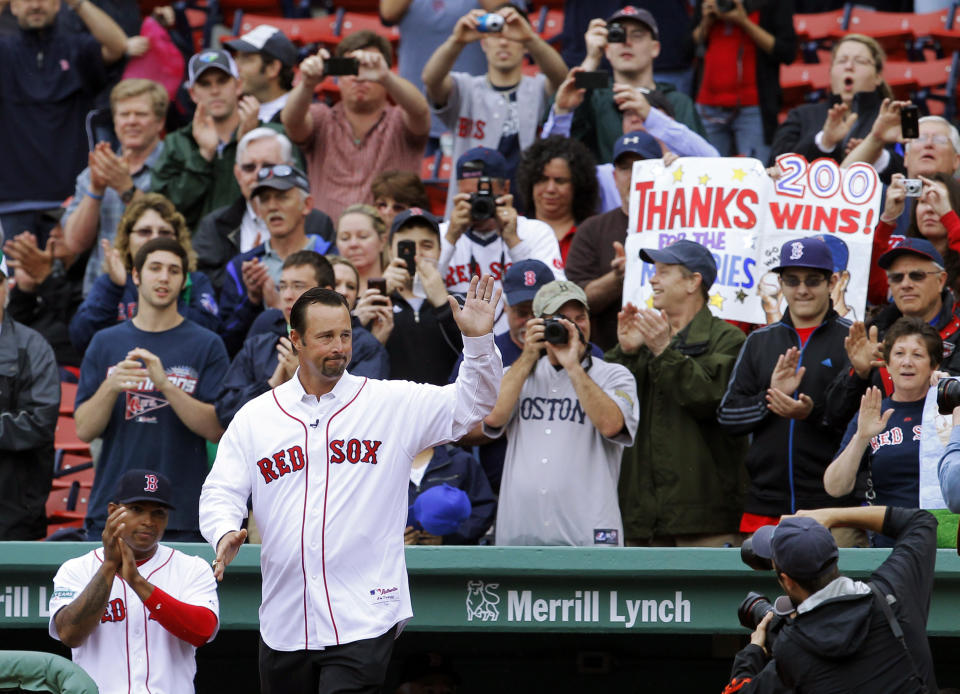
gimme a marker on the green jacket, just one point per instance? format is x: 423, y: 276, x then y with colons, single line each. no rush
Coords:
x: 197, y: 186
x: 684, y: 474
x: 598, y: 123
x: 43, y: 672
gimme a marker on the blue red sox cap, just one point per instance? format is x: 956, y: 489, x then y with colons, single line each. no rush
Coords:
x: 410, y: 216
x: 440, y: 510
x: 800, y: 546
x: 524, y: 279
x: 690, y: 254
x: 481, y: 161
x: 144, y: 485
x: 911, y: 246
x: 810, y: 251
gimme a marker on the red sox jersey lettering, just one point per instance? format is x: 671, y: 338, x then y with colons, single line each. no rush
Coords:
x: 277, y: 465
x: 350, y: 452
x: 467, y: 127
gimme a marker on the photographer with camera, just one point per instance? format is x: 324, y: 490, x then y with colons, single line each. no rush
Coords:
x: 841, y: 635
x: 568, y: 418
x: 502, y: 108
x: 484, y: 230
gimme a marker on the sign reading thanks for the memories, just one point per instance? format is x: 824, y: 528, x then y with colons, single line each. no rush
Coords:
x: 734, y: 207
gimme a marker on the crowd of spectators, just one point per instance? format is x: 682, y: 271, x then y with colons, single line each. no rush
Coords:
x: 159, y: 271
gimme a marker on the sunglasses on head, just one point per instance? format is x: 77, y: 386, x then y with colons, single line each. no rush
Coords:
x: 250, y: 167
x: 278, y: 170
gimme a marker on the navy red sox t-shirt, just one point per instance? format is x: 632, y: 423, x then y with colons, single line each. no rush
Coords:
x: 144, y: 431
x: 894, y: 457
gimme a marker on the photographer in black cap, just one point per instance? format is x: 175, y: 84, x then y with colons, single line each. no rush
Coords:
x: 844, y: 635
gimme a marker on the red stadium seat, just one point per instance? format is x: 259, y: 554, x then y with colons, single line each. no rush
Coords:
x: 68, y: 504
x: 799, y: 79
x: 355, y: 21
x: 300, y: 31
x: 892, y: 30
x: 821, y: 26
x: 66, y: 438
x: 69, y: 468
x: 548, y: 23
x: 68, y: 396
x: 924, y: 26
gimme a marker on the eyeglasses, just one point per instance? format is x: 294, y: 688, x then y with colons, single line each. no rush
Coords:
x: 914, y: 275
x: 252, y: 166
x: 395, y: 207
x: 146, y: 232
x: 810, y: 280
x: 858, y: 60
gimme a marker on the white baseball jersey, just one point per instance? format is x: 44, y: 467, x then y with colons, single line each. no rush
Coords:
x: 560, y: 473
x: 494, y: 258
x: 129, y: 651
x: 329, y: 480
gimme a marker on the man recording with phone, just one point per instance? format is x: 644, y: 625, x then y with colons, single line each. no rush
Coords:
x: 362, y: 135
x: 842, y: 635
x: 568, y: 416
x: 485, y: 231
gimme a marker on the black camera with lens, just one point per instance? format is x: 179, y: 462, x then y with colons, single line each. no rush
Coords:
x: 616, y: 33
x: 555, y: 331
x: 724, y: 6
x: 948, y: 395
x: 751, y: 559
x: 752, y: 611
x: 483, y: 203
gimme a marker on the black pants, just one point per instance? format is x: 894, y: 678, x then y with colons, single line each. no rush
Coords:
x: 359, y: 667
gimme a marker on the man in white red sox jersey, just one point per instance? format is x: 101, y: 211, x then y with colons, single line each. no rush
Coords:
x: 327, y: 457
x: 134, y: 611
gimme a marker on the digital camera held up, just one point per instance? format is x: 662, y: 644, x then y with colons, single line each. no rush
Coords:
x: 490, y: 23
x: 948, y: 394
x: 755, y: 607
x: 483, y: 203
x: 616, y: 33
x: 555, y: 331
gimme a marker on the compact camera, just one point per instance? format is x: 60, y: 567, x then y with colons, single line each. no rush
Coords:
x: 913, y: 186
x: 616, y: 33
x: 490, y: 23
x: 724, y: 6
x: 483, y: 203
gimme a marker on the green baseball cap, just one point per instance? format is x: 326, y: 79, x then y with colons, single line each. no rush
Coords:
x: 553, y: 295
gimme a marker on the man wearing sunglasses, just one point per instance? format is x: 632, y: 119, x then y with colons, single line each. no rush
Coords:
x: 915, y: 272
x: 777, y: 391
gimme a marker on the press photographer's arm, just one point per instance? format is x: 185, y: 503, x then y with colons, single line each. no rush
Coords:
x: 949, y: 468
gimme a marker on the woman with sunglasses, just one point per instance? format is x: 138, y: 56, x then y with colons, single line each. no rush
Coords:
x: 113, y: 296
x: 933, y: 216
x: 880, y: 452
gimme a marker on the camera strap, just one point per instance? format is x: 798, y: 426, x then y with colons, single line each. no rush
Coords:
x: 897, y: 633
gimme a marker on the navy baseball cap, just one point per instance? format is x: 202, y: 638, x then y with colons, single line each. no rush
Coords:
x: 210, y: 58
x: 637, y: 14
x: 481, y: 161
x: 267, y: 40
x: 691, y: 255
x: 911, y: 246
x: 144, y: 485
x: 414, y: 214
x: 524, y: 279
x: 800, y: 546
x: 637, y: 142
x: 838, y: 249
x: 280, y: 177
x: 810, y: 251
x: 440, y: 510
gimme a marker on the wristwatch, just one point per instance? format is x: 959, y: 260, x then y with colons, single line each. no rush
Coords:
x: 127, y: 195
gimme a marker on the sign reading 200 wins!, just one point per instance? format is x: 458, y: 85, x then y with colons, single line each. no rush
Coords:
x: 734, y: 208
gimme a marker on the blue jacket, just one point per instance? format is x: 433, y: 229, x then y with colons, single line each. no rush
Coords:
x: 459, y: 469
x: 107, y: 304
x: 236, y: 310
x: 256, y: 361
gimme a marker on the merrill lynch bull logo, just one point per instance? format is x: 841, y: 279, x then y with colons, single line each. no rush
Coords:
x: 482, y: 601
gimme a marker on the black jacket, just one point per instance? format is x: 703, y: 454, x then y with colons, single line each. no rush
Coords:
x: 844, y: 644
x: 29, y: 405
x: 843, y: 395
x: 424, y: 344
x: 776, y: 18
x: 787, y: 457
x: 217, y: 240
x: 798, y: 131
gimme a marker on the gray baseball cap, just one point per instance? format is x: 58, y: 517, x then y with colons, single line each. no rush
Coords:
x: 553, y: 295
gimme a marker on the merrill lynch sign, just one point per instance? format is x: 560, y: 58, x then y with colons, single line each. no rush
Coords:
x: 485, y: 603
